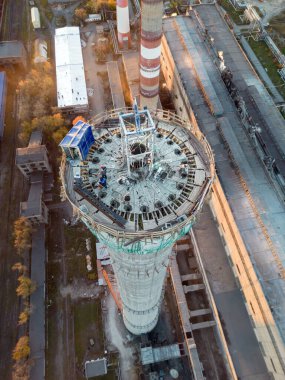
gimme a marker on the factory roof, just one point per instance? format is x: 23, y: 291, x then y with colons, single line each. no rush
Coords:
x: 30, y: 154
x: 158, y: 354
x: 9, y: 49
x: 130, y: 61
x: 115, y: 85
x: 70, y: 77
x: 36, y: 138
x: 33, y: 205
x: 95, y: 368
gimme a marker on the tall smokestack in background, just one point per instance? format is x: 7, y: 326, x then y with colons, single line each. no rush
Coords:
x: 123, y: 23
x: 151, y: 31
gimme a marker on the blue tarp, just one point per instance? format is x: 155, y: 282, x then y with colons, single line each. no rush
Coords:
x: 80, y: 137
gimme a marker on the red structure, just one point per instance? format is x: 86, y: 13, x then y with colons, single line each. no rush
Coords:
x: 123, y: 24
x: 151, y: 31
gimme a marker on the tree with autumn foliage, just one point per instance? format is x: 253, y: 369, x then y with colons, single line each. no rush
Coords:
x: 22, y: 349
x: 22, y: 234
x: 24, y: 316
x: 21, y: 268
x: 26, y: 286
x: 81, y: 14
x: 78, y: 118
x: 36, y: 92
x: 53, y: 126
x: 21, y: 370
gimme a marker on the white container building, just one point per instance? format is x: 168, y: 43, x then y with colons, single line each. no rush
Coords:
x: 35, y: 16
x: 70, y: 76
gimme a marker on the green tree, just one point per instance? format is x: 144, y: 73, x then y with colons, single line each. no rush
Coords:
x: 22, y: 349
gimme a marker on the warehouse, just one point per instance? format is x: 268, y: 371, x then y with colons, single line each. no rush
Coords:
x: 70, y: 77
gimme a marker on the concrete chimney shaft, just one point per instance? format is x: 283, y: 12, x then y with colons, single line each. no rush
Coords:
x: 151, y: 31
x: 123, y: 24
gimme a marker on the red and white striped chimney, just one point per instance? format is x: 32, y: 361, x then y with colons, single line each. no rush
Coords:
x: 123, y: 23
x: 151, y: 31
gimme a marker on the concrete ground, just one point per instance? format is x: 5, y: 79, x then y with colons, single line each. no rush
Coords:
x: 60, y: 353
x: 270, y: 7
x: 116, y: 334
x: 93, y: 81
x: 242, y: 342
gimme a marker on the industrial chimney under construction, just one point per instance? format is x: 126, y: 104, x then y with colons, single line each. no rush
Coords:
x: 137, y: 179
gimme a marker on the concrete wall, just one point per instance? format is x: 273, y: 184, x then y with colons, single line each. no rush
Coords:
x: 259, y: 312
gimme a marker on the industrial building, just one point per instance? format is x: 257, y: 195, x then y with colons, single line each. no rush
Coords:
x: 13, y: 53
x: 34, y: 157
x: 34, y: 208
x: 40, y: 51
x: 70, y: 77
x: 3, y: 94
x: 115, y: 85
x: 35, y: 17
x: 137, y: 182
x: 194, y: 73
x: 138, y: 179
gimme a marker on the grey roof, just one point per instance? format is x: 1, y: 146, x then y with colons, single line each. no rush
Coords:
x: 115, y: 85
x: 30, y: 154
x: 159, y: 354
x: 33, y: 205
x: 36, y: 138
x: 131, y: 65
x: 37, y: 318
x: 10, y: 49
x: 95, y: 368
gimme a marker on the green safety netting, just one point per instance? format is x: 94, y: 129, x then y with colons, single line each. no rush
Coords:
x: 140, y: 247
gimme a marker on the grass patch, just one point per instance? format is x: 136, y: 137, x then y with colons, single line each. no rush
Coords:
x: 269, y: 62
x: 75, y: 245
x: 54, y: 301
x: 88, y: 324
x: 234, y: 14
